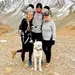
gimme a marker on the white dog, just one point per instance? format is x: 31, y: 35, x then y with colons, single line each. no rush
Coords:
x: 37, y: 54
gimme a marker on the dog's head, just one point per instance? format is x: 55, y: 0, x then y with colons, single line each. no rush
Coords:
x: 38, y: 45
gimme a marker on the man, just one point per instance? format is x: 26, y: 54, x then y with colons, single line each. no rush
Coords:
x: 37, y: 23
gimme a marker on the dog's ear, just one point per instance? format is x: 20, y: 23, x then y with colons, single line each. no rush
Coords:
x: 40, y: 43
x: 35, y: 40
x: 35, y: 44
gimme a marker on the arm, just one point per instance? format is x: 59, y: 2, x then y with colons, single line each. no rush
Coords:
x: 53, y: 33
x: 22, y: 27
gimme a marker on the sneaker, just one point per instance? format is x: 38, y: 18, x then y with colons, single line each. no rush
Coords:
x: 42, y: 62
x: 30, y: 63
x: 23, y: 63
x: 13, y: 53
x: 47, y: 65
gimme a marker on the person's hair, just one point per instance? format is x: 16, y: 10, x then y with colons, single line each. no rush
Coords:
x: 31, y: 5
x: 39, y: 5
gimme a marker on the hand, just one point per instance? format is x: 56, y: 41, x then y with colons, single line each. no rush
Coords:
x: 53, y: 42
x: 19, y: 31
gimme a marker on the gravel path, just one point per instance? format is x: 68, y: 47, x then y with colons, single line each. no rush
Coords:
x: 63, y: 56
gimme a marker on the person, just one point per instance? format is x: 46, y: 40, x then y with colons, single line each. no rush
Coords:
x: 37, y: 23
x: 49, y: 35
x: 24, y: 30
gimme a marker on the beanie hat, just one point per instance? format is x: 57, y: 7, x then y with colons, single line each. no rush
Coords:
x: 46, y: 7
x: 29, y: 9
x: 39, y: 5
x: 31, y: 5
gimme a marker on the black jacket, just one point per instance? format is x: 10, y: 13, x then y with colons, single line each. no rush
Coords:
x: 23, y: 27
x: 25, y: 34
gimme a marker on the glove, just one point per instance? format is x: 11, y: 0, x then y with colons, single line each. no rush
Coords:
x: 53, y: 42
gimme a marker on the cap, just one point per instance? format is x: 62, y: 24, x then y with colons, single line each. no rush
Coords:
x: 46, y: 14
x: 39, y: 5
x: 47, y: 7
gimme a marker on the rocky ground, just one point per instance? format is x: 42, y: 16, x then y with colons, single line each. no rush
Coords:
x: 63, y: 55
x: 4, y: 28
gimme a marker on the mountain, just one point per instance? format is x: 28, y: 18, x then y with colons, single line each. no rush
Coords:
x: 10, y: 10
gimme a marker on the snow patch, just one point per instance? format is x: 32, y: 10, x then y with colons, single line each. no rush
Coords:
x: 3, y: 41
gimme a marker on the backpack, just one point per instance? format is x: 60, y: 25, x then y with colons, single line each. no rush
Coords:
x: 42, y: 17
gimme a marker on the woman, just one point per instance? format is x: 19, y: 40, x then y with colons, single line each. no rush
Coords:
x: 49, y: 35
x: 24, y: 30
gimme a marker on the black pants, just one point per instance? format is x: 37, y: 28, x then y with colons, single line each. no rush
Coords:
x: 26, y: 48
x: 19, y: 50
x: 23, y: 54
x: 47, y: 49
x: 36, y: 36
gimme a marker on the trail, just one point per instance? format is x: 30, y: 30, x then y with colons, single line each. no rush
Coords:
x: 63, y: 54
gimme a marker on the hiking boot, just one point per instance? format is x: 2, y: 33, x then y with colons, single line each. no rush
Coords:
x: 13, y: 53
x: 47, y: 65
x: 30, y: 62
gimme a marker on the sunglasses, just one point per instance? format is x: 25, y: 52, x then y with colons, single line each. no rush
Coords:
x: 46, y: 15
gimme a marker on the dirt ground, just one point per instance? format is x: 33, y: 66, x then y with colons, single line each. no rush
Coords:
x: 4, y: 28
x: 63, y: 55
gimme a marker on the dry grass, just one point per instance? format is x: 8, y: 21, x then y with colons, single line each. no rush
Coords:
x: 4, y: 28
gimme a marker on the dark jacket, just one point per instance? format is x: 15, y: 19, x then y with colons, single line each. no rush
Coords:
x: 25, y: 35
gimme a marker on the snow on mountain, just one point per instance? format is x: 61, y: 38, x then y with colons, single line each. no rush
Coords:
x: 10, y: 9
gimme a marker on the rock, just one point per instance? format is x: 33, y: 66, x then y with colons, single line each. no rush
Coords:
x: 2, y: 41
x: 56, y: 73
x: 8, y: 70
